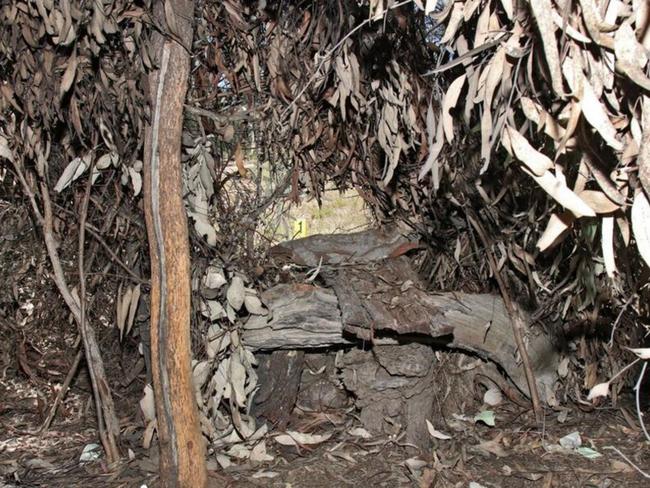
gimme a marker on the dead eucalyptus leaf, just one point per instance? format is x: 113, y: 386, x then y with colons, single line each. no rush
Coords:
x: 133, y: 307
x: 293, y: 438
x: 596, y: 115
x: 643, y: 353
x: 72, y: 171
x: 537, y: 162
x: 204, y: 228
x: 436, y: 434
x: 557, y: 189
x: 147, y: 404
x: 599, y: 390
x: 454, y: 22
x: 5, y: 152
x: 239, y: 161
x: 214, y: 278
x: 598, y: 201
x: 543, y: 13
x: 69, y: 74
x: 236, y: 293
x: 640, y: 227
x: 631, y: 57
x: 449, y: 102
x: 136, y: 181
x: 254, y: 305
x: 607, y: 244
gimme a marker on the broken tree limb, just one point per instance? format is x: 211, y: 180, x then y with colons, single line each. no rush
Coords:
x: 107, y: 419
x: 372, y: 300
x: 356, y: 247
x: 306, y: 317
x: 518, y: 324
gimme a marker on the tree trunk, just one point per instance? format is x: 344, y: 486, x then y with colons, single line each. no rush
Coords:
x: 182, y: 449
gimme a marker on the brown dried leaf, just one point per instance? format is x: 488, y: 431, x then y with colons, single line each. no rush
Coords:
x: 594, y: 23
x: 69, y: 74
x: 599, y: 201
x: 556, y: 188
x: 595, y: 113
x: 607, y: 242
x: 508, y: 7
x: 537, y: 162
x: 556, y: 230
x: 449, y: 102
x: 454, y: 22
x: 239, y: 161
x: 643, y: 159
x: 640, y: 227
x: 543, y: 13
x: 569, y: 29
x: 631, y: 57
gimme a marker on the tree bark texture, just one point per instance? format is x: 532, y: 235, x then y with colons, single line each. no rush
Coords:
x: 182, y: 449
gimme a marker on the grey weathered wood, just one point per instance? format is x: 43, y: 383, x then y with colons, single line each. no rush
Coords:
x: 301, y: 317
x: 373, y: 294
x: 306, y: 316
x: 356, y: 247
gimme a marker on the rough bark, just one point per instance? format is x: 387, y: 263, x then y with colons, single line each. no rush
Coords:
x: 369, y: 308
x: 302, y: 316
x: 279, y: 379
x: 394, y: 391
x: 182, y: 449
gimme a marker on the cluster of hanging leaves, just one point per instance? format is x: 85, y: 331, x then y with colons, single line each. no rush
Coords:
x: 563, y: 88
x: 326, y: 96
x: 71, y: 91
x: 225, y: 379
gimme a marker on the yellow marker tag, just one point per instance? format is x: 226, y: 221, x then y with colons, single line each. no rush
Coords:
x: 299, y: 228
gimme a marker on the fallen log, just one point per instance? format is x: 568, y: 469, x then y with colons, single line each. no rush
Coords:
x: 307, y: 317
x: 371, y: 294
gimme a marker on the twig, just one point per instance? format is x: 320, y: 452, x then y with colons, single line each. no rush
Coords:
x: 637, y: 389
x: 114, y: 256
x: 222, y: 119
x: 64, y: 389
x: 618, y: 319
x: 107, y: 420
x: 515, y: 317
x: 641, y: 472
x: 93, y: 356
x: 469, y: 54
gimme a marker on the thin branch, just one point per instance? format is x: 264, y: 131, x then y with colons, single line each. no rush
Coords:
x: 515, y: 317
x: 93, y: 356
x: 618, y: 319
x: 107, y: 420
x: 637, y: 389
x: 64, y: 389
x: 222, y: 119
x: 641, y: 472
x: 114, y: 256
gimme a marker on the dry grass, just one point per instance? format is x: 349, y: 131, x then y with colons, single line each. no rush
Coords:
x: 339, y: 213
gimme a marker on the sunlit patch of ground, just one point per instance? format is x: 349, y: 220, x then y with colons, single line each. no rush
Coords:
x: 339, y: 213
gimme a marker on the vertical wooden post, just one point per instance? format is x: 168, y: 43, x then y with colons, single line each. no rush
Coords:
x: 182, y: 450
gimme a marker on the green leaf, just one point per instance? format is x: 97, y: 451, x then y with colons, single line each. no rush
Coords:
x: 588, y: 452
x: 486, y: 416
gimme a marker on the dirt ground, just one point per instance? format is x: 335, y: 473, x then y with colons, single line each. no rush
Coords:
x: 513, y: 453
x: 35, y: 356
